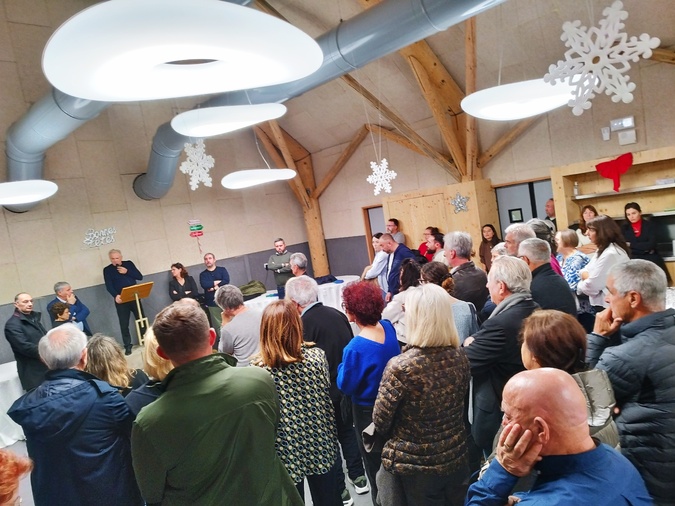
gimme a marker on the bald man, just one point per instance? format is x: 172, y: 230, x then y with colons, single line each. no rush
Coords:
x: 546, y: 428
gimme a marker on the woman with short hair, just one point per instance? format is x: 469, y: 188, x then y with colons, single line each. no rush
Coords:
x: 363, y: 362
x: 182, y: 285
x: 306, y: 434
x: 419, y: 409
x: 570, y: 259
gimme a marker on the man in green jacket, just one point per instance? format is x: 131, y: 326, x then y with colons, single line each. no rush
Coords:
x: 209, y: 438
x: 280, y: 264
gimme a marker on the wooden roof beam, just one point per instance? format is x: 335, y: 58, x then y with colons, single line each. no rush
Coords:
x: 340, y: 162
x: 404, y: 128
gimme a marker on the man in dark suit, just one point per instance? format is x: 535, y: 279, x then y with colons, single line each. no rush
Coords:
x: 549, y: 289
x: 23, y: 331
x: 469, y: 280
x: 78, y: 311
x: 494, y: 351
x: 330, y: 330
x: 397, y: 252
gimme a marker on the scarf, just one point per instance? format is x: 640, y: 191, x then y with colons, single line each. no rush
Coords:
x: 510, y: 301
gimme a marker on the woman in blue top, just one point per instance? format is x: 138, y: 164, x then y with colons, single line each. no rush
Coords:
x: 363, y: 362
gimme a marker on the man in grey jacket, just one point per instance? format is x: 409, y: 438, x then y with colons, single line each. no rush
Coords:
x: 634, y: 339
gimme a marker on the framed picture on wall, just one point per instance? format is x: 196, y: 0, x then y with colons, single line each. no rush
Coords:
x: 516, y: 215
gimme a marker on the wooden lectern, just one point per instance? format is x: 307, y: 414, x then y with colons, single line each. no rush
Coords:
x: 138, y: 292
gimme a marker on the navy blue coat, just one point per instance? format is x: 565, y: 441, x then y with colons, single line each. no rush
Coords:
x: 78, y: 434
x: 393, y: 280
x: 24, y: 334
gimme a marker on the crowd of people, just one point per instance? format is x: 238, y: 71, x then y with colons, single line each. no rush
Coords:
x: 544, y: 377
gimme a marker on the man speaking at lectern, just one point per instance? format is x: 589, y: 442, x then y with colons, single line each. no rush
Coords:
x: 118, y: 275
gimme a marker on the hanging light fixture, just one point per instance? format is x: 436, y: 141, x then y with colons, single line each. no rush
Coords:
x: 518, y: 100
x: 26, y: 192
x: 253, y: 177
x: 130, y: 50
x: 212, y: 121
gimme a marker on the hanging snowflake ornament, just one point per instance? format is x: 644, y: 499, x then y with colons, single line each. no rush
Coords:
x: 381, y: 176
x: 197, y: 165
x: 460, y: 203
x: 599, y: 57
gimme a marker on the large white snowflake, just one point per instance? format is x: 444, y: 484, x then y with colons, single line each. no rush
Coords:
x: 603, y: 56
x: 197, y: 164
x: 381, y: 176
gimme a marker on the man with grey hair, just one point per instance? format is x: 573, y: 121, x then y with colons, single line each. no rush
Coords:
x: 79, y: 422
x: 240, y: 332
x: 470, y: 281
x: 78, y: 311
x: 494, y: 351
x: 515, y: 234
x: 548, y: 289
x: 298, y: 263
x: 330, y: 330
x: 635, y: 340
x: 542, y: 231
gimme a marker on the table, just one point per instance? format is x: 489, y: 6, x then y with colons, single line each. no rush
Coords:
x: 670, y: 298
x: 330, y: 294
x: 10, y: 390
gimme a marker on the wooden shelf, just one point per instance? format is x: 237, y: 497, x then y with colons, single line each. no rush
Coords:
x: 652, y: 188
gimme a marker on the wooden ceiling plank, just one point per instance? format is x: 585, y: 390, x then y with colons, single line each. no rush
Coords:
x: 340, y: 162
x: 506, y: 139
x: 404, y: 128
x: 473, y: 172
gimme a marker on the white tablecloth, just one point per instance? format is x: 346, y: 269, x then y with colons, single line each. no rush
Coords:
x: 670, y: 298
x: 330, y: 294
x: 10, y: 390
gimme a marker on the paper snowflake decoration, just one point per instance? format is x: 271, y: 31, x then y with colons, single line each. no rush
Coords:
x: 381, y: 176
x: 602, y: 58
x: 197, y: 165
x: 460, y: 203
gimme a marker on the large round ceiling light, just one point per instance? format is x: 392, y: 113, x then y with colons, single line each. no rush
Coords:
x: 129, y: 50
x: 211, y: 121
x: 517, y: 100
x: 26, y: 192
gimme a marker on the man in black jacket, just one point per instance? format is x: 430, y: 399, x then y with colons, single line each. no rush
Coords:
x: 330, y: 330
x: 470, y: 281
x: 549, y: 289
x: 494, y: 351
x: 23, y: 331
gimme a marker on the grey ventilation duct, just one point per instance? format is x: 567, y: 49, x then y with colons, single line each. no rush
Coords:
x: 50, y: 120
x: 376, y: 32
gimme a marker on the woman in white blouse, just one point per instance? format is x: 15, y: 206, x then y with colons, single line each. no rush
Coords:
x: 612, y: 249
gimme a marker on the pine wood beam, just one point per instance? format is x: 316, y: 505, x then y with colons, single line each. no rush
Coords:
x: 440, y: 113
x: 663, y: 55
x: 506, y: 139
x: 278, y: 159
x: 340, y: 162
x: 394, y: 137
x: 404, y: 128
x: 473, y: 172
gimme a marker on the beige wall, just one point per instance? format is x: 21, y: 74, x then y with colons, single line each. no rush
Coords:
x: 95, y: 167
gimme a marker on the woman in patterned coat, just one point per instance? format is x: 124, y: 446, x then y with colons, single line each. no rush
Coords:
x: 420, y: 407
x: 306, y: 434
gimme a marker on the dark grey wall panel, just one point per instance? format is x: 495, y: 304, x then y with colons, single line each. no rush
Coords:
x: 346, y: 256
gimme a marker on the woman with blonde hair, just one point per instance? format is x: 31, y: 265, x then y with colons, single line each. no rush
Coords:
x: 306, y: 434
x: 419, y: 408
x: 156, y: 368
x: 105, y: 360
